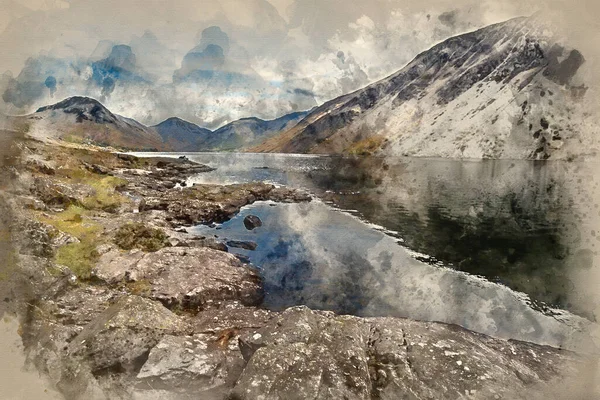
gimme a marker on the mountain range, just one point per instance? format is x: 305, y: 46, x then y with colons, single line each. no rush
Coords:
x: 509, y: 90
x: 86, y: 120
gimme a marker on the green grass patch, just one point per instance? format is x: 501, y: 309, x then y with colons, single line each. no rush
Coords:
x: 79, y: 257
x: 105, y: 196
x: 82, y: 256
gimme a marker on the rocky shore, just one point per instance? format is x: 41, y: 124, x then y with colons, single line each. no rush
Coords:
x: 119, y: 301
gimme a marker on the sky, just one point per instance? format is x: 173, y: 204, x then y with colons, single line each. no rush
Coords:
x: 212, y: 62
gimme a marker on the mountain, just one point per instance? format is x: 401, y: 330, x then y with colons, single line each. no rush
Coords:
x: 248, y: 132
x: 82, y: 119
x: 509, y: 90
x: 182, y: 135
x: 186, y: 136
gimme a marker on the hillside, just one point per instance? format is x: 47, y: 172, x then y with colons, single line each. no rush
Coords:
x: 85, y: 120
x: 505, y: 91
x: 182, y: 135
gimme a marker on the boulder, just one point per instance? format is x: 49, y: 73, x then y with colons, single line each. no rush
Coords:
x: 185, y: 277
x: 252, y: 222
x: 206, y: 364
x: 202, y: 365
x: 120, y: 338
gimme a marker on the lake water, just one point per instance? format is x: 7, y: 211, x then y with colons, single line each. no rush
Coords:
x: 490, y: 245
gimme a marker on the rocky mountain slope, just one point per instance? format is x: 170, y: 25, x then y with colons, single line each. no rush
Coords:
x: 85, y: 120
x: 186, y: 136
x: 251, y: 131
x: 181, y: 135
x: 508, y: 90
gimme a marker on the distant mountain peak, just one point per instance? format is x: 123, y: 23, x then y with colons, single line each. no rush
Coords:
x: 178, y: 122
x: 85, y: 108
x: 75, y: 101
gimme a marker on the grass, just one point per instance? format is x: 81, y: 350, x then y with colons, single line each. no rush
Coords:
x: 76, y: 221
x: 105, y: 196
x: 366, y: 146
x: 79, y: 257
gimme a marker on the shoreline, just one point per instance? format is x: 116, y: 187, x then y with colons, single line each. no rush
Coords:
x: 159, y: 310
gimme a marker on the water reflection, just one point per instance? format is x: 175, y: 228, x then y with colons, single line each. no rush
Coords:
x: 513, y: 222
x: 311, y: 254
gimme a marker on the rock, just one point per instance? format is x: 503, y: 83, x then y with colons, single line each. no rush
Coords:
x: 97, y: 169
x: 207, y: 242
x: 40, y: 166
x: 201, y: 365
x: 242, y: 258
x: 208, y: 363
x: 247, y: 245
x: 305, y: 354
x: 54, y: 193
x: 231, y: 315
x: 252, y: 222
x: 34, y: 238
x: 121, y: 337
x: 205, y: 204
x: 191, y: 278
x: 33, y: 204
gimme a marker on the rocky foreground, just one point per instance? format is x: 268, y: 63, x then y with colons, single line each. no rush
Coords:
x: 119, y: 301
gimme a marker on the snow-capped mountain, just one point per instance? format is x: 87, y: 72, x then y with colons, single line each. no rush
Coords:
x: 509, y: 90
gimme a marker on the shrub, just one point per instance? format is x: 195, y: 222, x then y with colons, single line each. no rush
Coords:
x: 138, y: 235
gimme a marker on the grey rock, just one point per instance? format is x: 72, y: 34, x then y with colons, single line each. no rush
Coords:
x: 246, y: 245
x: 199, y: 365
x: 54, y: 193
x: 193, y: 278
x: 121, y: 337
x: 232, y: 315
x: 252, y: 222
x: 305, y: 354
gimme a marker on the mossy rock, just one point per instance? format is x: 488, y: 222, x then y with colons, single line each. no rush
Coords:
x: 137, y: 235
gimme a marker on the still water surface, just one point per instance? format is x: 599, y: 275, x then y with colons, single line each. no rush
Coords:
x: 489, y: 245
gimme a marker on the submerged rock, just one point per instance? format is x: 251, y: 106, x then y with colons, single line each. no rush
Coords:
x: 246, y: 245
x: 252, y: 222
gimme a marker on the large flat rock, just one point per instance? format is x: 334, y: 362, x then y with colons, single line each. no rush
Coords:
x: 305, y: 354
x: 185, y: 277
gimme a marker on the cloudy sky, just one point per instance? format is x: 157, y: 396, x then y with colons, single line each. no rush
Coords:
x: 213, y: 61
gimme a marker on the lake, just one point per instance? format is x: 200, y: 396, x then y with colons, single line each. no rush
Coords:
x: 495, y: 246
